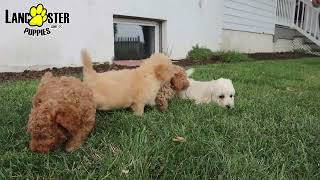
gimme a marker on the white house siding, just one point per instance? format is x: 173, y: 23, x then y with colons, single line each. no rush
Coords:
x: 91, y: 27
x: 249, y: 25
x: 250, y: 15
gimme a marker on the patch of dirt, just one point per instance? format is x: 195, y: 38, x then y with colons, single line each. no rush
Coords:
x: 29, y: 75
x: 280, y: 55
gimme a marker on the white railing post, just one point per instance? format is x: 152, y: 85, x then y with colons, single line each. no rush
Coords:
x: 307, y: 18
x: 311, y: 22
x: 285, y: 12
x: 300, y: 15
x: 317, y: 25
x: 287, y: 5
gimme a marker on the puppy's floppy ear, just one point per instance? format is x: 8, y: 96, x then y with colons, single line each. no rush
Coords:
x: 39, y: 116
x: 69, y: 118
x: 179, y: 82
x: 209, y: 94
x: 163, y: 72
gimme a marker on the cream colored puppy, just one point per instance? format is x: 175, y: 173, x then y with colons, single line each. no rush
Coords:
x: 132, y: 88
x: 220, y: 91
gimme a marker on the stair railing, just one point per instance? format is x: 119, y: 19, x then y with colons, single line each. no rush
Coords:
x: 300, y: 15
x: 307, y: 20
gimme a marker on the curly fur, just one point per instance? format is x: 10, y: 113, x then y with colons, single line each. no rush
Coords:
x: 179, y: 82
x: 134, y: 88
x: 63, y: 111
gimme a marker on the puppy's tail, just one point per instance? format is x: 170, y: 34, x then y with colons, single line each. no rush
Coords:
x: 87, y: 63
x: 190, y: 72
x: 47, y: 75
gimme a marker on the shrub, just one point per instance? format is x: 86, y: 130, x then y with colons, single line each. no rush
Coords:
x: 231, y: 56
x: 199, y: 53
x: 202, y: 53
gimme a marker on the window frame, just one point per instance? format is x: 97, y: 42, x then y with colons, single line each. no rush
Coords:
x: 155, y: 24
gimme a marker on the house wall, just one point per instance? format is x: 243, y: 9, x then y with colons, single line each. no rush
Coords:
x: 246, y: 42
x: 248, y: 25
x: 91, y: 26
x: 256, y: 16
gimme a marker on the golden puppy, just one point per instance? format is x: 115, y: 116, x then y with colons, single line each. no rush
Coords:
x: 133, y: 88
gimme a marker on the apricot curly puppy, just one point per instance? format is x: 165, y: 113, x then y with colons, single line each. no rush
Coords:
x: 63, y: 111
x: 179, y: 82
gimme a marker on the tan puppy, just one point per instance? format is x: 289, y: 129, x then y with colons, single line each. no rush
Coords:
x: 128, y: 88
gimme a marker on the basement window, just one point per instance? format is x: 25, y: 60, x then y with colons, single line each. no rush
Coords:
x: 135, y: 39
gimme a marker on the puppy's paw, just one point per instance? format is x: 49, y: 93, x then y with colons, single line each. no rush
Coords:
x: 140, y: 114
x: 70, y: 149
x: 198, y: 102
x: 163, y: 106
x: 71, y: 146
x: 138, y: 109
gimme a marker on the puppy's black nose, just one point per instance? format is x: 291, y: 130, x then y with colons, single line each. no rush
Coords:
x: 228, y: 106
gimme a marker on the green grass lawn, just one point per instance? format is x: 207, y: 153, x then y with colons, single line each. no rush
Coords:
x: 273, y: 132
